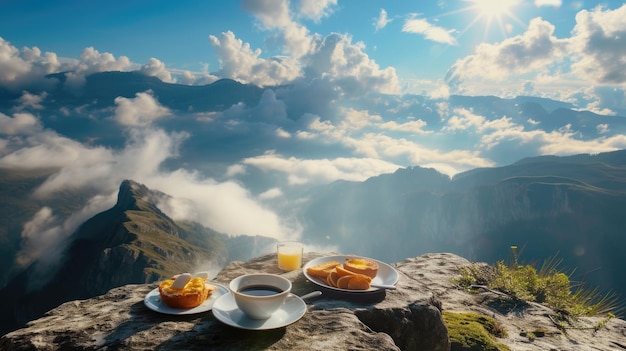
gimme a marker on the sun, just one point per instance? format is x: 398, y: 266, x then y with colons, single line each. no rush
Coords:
x: 493, y: 9
x: 490, y: 12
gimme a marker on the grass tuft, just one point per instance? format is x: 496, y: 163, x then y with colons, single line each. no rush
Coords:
x: 547, y: 285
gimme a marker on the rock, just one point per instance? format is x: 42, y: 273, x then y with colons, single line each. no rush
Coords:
x: 408, y: 318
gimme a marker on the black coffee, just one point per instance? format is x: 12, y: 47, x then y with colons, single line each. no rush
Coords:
x: 260, y: 290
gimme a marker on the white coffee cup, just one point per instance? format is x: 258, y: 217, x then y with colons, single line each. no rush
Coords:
x: 259, y: 295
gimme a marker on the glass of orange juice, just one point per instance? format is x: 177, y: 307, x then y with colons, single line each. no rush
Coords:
x: 289, y: 255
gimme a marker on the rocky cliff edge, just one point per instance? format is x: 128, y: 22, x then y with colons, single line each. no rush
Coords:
x: 408, y: 318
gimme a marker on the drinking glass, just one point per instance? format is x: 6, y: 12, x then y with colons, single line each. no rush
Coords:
x: 289, y: 255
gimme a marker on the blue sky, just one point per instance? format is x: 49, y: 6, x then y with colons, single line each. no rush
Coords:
x: 420, y: 41
x: 331, y: 122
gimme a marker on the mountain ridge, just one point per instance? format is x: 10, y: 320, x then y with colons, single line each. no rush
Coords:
x: 132, y: 242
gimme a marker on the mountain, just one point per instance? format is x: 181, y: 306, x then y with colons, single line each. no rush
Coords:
x: 571, y: 207
x: 104, y: 87
x: 133, y: 242
x: 568, y: 207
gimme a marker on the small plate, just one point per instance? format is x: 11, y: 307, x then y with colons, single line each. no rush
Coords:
x: 153, y: 301
x: 226, y: 311
x: 387, y: 275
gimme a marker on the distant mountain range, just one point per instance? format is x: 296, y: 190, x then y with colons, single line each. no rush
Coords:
x: 573, y: 207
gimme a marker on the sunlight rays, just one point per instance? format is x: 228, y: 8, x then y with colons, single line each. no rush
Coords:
x: 490, y: 12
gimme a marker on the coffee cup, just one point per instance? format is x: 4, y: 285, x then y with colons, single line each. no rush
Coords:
x: 259, y: 295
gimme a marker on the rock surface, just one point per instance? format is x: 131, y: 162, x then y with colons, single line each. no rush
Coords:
x: 404, y: 319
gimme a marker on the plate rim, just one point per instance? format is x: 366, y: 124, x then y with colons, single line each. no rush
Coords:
x: 204, y: 307
x: 232, y: 323
x: 340, y: 258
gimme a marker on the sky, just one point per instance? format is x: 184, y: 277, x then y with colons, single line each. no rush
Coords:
x: 326, y: 52
x: 437, y: 47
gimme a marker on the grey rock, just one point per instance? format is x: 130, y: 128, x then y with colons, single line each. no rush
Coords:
x: 408, y: 318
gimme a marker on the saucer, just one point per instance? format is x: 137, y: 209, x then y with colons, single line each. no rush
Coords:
x: 153, y: 301
x: 226, y: 311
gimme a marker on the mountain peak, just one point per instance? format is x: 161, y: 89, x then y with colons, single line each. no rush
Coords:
x: 136, y: 196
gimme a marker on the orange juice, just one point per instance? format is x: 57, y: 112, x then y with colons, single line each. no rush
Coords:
x: 289, y: 256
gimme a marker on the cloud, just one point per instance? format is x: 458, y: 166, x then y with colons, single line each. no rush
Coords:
x: 43, y: 236
x: 139, y: 111
x: 31, y: 101
x: 272, y: 193
x: 226, y: 207
x: 502, y: 135
x: 429, y: 31
x: 302, y: 171
x: 382, y: 21
x: 92, y: 61
x: 156, y: 68
x: 305, y: 57
x: 599, y: 42
x: 271, y: 13
x: 366, y: 136
x: 346, y: 66
x: 20, y: 123
x: 238, y: 61
x: 275, y: 14
x: 25, y: 68
x: 534, y: 50
x: 316, y: 9
x: 38, y: 234
x: 553, y: 3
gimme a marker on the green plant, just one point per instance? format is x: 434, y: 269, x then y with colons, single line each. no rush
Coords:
x: 548, y: 286
x: 472, y: 331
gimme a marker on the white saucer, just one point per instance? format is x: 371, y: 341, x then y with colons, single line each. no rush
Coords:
x: 226, y: 311
x: 153, y: 301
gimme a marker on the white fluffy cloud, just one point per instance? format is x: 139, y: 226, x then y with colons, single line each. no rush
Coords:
x: 307, y: 56
x: 300, y: 171
x: 156, y: 68
x: 429, y: 30
x: 316, y: 9
x: 92, y: 61
x: 20, y: 123
x: 599, y: 41
x: 534, y: 50
x: 24, y: 68
x: 575, y: 68
x: 239, y: 61
x: 139, y: 111
x: 276, y: 15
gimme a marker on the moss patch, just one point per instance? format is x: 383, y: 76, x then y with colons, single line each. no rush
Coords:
x: 472, y: 331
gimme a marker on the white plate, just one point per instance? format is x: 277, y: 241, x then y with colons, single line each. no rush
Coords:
x: 387, y: 275
x: 153, y: 301
x: 226, y: 311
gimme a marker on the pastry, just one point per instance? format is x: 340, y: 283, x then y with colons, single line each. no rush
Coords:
x: 184, y: 291
x: 361, y: 266
x: 322, y: 270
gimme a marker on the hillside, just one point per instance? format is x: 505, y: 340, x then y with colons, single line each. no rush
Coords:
x: 133, y: 242
x: 573, y: 207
